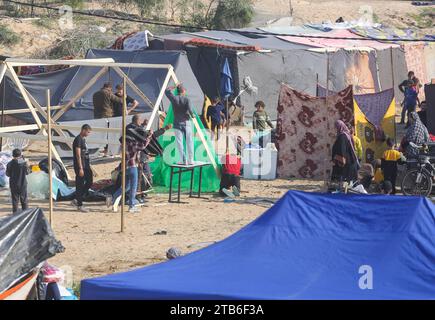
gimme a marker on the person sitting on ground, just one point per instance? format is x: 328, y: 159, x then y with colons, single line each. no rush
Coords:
x: 117, y: 107
x: 390, y: 159
x: 230, y: 180
x: 357, y: 143
x: 82, y: 167
x: 365, y: 175
x: 378, y: 178
x: 417, y: 133
x: 16, y: 170
x: 344, y: 157
x: 261, y: 121
x: 217, y: 113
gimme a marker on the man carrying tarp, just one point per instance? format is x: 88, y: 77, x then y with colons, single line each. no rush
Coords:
x: 183, y: 112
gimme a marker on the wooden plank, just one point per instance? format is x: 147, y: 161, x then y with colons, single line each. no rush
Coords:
x: 134, y: 87
x: 123, y: 159
x: 78, y: 127
x: 80, y: 93
x: 50, y: 164
x: 106, y: 62
x: 19, y: 111
x: 38, y: 137
x: 171, y: 74
x: 19, y: 128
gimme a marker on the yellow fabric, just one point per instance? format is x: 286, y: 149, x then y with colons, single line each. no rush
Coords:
x: 207, y: 103
x: 365, y: 131
x: 392, y: 155
x: 379, y: 176
x: 358, y: 147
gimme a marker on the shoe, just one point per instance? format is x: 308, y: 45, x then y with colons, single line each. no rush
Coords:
x: 82, y: 209
x: 108, y: 201
x: 133, y: 210
x: 74, y: 203
x: 228, y: 193
x: 236, y: 191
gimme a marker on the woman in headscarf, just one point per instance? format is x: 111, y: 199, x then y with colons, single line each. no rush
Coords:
x: 416, y: 133
x: 343, y: 155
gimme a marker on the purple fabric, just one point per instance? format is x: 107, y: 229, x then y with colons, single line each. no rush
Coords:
x: 375, y: 105
x: 321, y: 91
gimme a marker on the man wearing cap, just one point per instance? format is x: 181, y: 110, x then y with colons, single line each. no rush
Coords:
x: 183, y: 113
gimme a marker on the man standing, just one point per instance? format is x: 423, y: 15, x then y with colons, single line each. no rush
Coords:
x: 117, y: 107
x: 82, y: 167
x: 17, y: 170
x: 104, y: 101
x: 183, y: 127
x: 217, y: 114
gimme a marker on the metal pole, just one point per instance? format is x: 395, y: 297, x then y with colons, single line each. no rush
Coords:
x: 123, y: 164
x: 50, y: 159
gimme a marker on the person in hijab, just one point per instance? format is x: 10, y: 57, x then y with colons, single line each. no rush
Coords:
x: 343, y: 155
x: 417, y: 133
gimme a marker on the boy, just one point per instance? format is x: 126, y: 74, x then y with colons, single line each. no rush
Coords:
x: 389, y: 162
x: 261, y: 120
x: 217, y: 114
x: 17, y: 170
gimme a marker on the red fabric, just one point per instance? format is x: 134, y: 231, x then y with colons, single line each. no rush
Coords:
x: 306, y: 131
x: 432, y: 137
x: 200, y: 42
x: 232, y: 165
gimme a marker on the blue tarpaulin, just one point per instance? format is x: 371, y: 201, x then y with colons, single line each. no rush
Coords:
x: 307, y: 246
x: 226, y: 78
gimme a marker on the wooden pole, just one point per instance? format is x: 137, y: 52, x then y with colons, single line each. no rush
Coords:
x: 394, y: 90
x: 326, y: 106
x: 123, y: 164
x: 50, y: 164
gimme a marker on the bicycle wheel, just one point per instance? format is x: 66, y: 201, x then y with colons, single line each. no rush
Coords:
x: 416, y: 183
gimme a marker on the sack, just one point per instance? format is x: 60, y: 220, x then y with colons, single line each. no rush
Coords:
x: 339, y: 160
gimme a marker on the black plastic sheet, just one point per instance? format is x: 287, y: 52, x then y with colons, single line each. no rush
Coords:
x: 26, y: 240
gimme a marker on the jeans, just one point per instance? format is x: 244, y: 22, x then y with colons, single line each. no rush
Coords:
x: 184, y: 131
x: 83, y: 184
x: 131, y: 179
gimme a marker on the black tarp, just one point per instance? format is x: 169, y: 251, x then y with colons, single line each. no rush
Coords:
x: 26, y: 240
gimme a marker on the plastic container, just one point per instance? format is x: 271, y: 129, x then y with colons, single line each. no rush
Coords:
x: 260, y: 163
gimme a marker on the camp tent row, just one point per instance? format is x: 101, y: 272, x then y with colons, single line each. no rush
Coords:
x: 271, y: 57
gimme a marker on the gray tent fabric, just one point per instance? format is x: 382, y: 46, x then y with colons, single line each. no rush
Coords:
x: 36, y: 85
x: 26, y: 240
x: 429, y: 91
x: 65, y: 84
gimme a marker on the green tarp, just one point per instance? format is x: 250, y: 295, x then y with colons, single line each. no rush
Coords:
x: 161, y: 170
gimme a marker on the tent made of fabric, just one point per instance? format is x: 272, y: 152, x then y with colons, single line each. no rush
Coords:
x: 65, y: 84
x: 375, y: 122
x: 306, y: 131
x: 307, y: 246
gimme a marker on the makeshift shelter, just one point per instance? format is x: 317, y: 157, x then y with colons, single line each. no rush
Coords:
x: 270, y: 57
x: 306, y: 131
x: 374, y: 120
x: 307, y: 246
x: 78, y: 83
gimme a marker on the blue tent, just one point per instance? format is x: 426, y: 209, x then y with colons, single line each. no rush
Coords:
x: 307, y: 246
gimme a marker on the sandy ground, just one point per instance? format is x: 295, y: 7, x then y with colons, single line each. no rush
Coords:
x: 95, y: 246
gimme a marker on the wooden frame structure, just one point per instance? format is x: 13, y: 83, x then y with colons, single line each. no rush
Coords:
x: 40, y: 113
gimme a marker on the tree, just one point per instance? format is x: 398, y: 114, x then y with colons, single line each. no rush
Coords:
x: 233, y: 14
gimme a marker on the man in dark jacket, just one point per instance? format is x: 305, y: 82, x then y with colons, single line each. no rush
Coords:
x: 17, y: 170
x: 104, y: 101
